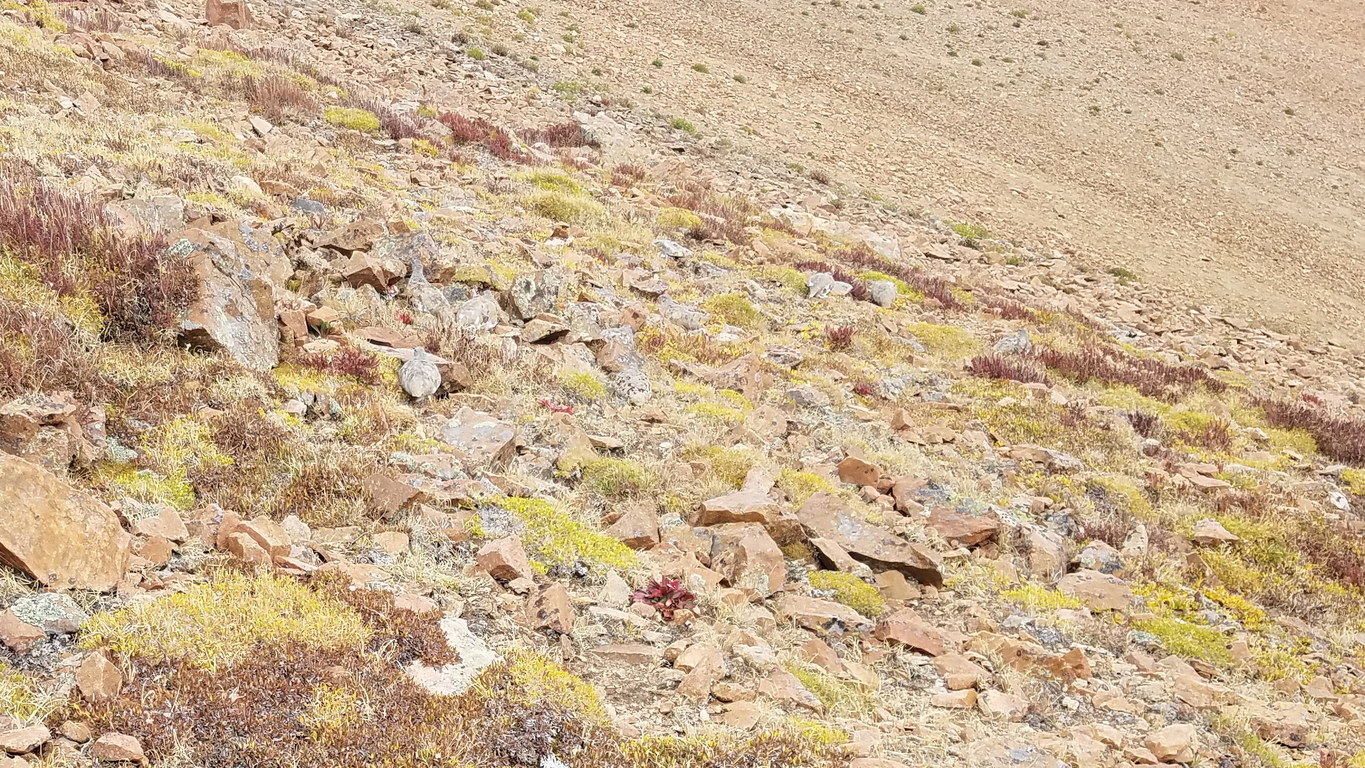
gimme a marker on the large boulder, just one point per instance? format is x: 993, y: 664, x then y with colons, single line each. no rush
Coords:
x: 825, y: 515
x: 61, y: 536
x: 235, y: 311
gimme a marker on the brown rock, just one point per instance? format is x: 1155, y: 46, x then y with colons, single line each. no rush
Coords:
x: 98, y: 678
x: 820, y: 616
x: 552, y: 609
x: 505, y: 559
x: 118, y: 748
x: 894, y: 586
x: 784, y: 687
x: 1046, y: 553
x: 270, y: 535
x: 24, y: 740
x: 1211, y: 532
x: 858, y: 472
x: 818, y: 652
x: 58, y: 535
x: 961, y: 528
x: 166, y: 523
x: 827, y: 516
x: 958, y: 699
x: 1099, y: 591
x: 960, y: 672
x: 18, y: 635
x: 906, y: 628
x: 157, y: 550
x: 1174, y: 743
x: 749, y: 558
x: 77, y: 732
x: 742, y: 715
x: 742, y: 506
x: 235, y: 308
x: 634, y: 654
x: 232, y: 13
x: 245, y: 548
x: 637, y: 528
x: 361, y: 270
x: 707, y: 666
x: 481, y: 439
x: 1003, y: 705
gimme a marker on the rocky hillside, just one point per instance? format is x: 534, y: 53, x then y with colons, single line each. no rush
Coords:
x: 376, y: 390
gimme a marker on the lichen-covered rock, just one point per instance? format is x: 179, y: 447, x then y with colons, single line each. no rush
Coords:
x: 61, y: 536
x: 235, y: 309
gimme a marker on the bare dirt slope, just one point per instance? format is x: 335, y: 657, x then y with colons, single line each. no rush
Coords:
x: 1215, y: 148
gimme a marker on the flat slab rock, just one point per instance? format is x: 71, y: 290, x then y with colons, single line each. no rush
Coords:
x: 827, y: 516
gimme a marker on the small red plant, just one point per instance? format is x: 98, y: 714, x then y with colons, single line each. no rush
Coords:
x: 349, y: 361
x: 864, y: 388
x: 405, y: 317
x: 839, y: 338
x: 569, y: 134
x: 666, y: 595
x: 556, y: 407
x: 1021, y: 369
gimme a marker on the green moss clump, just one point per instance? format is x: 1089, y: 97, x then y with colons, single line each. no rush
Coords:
x: 1354, y: 480
x: 145, y: 485
x: 947, y: 341
x: 361, y: 120
x: 217, y: 624
x: 731, y: 465
x: 551, y: 181
x: 583, y: 385
x: 734, y: 309
x: 678, y: 218
x: 800, y: 486
x: 851, y: 591
x: 1039, y: 599
x: 555, y: 539
x: 840, y: 697
x: 792, y: 279
x: 716, y: 413
x: 618, y: 478
x: 1193, y: 641
x: 565, y: 207
x: 969, y: 231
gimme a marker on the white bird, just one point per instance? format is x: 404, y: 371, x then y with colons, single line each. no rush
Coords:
x: 419, y: 376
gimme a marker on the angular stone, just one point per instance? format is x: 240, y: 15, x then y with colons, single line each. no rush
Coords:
x: 858, y: 472
x: 821, y: 616
x: 552, y: 609
x: 960, y: 672
x: 960, y: 528
x: 361, y: 270
x: 270, y: 535
x: 1004, y: 705
x: 24, y: 740
x: 749, y: 558
x: 784, y: 687
x: 959, y: 699
x: 245, y: 548
x: 906, y: 628
x: 118, y: 748
x: 232, y: 13
x: 57, y: 534
x: 742, y: 506
x: 637, y: 528
x: 1211, y: 532
x: 166, y: 523
x: 705, y: 666
x: 98, y: 678
x: 828, y: 516
x: 1174, y: 743
x: 235, y: 308
x: 481, y: 439
x: 894, y: 586
x: 18, y: 635
x: 1098, y: 590
x: 634, y: 654
x: 505, y: 559
x: 1046, y: 553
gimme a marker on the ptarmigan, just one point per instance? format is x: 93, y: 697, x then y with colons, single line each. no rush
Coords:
x: 419, y: 376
